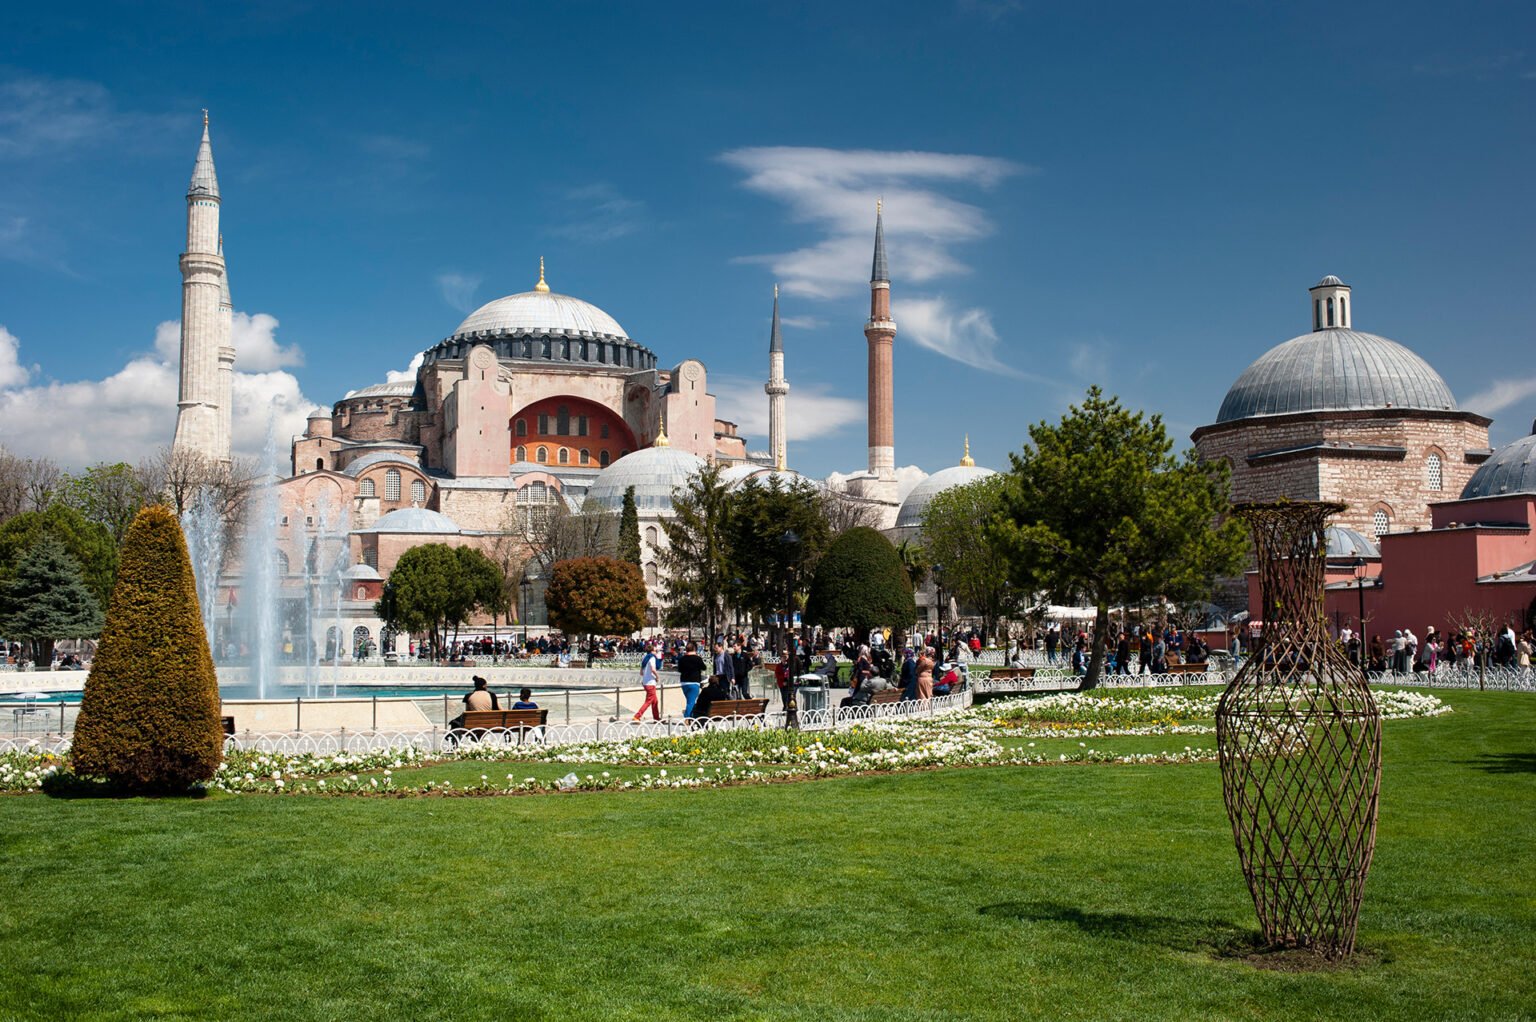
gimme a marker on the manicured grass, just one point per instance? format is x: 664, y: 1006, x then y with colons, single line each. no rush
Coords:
x: 1087, y: 892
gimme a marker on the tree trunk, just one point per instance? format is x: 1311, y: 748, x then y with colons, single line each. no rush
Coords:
x: 1100, y: 642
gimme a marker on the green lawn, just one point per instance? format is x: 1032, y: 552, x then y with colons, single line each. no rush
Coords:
x: 1077, y: 892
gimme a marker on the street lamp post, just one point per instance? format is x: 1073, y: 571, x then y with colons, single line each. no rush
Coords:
x: 938, y: 595
x: 1360, y: 566
x: 790, y: 544
x: 525, y: 584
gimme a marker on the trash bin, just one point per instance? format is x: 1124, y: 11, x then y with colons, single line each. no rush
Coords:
x: 811, y: 692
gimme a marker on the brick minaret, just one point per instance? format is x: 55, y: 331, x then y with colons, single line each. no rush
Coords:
x: 776, y: 388
x: 199, y: 419
x: 880, y: 332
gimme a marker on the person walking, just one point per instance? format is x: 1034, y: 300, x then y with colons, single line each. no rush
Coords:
x: 908, y: 674
x: 690, y: 673
x: 650, y: 670
x: 741, y: 669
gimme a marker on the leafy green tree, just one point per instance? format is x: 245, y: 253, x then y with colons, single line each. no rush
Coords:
x: 109, y: 495
x: 955, y: 536
x: 480, y: 583
x: 629, y: 529
x: 423, y: 592
x: 46, y: 600
x: 149, y: 716
x: 596, y: 596
x: 1098, y: 507
x: 915, y: 559
x: 696, y: 566
x: 89, y: 543
x: 861, y: 583
x: 775, y: 534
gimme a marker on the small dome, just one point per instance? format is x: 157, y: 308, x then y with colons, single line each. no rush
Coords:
x: 1345, y: 543
x: 654, y: 472
x: 737, y: 475
x: 414, y: 519
x: 1512, y: 469
x: 541, y: 312
x: 400, y: 388
x: 1329, y: 281
x: 1335, y: 370
x: 911, y: 514
x: 362, y: 573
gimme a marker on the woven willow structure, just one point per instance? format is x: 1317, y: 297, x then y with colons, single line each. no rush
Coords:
x: 1299, y: 736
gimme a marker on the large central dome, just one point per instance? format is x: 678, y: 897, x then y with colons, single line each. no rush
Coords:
x: 1336, y: 370
x: 541, y: 313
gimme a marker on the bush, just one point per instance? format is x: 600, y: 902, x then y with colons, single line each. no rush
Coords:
x: 149, y: 716
x: 596, y: 596
x: 861, y: 583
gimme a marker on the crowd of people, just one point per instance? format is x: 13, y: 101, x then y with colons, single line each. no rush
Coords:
x: 1403, y: 652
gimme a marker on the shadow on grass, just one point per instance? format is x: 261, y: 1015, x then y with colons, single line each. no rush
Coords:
x: 66, y: 785
x: 1215, y: 938
x: 1505, y: 763
x: 1178, y: 934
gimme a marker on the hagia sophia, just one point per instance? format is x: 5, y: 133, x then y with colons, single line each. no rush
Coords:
x: 541, y: 399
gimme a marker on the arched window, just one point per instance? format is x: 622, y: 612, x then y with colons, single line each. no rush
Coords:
x: 280, y: 561
x: 367, y: 489
x: 602, y: 458
x: 1330, y: 312
x: 1381, y: 522
x: 522, y: 454
x: 522, y: 427
x: 586, y: 456
x: 541, y: 455
x: 564, y: 457
x: 650, y: 574
x: 419, y: 491
x: 1317, y: 314
x: 362, y: 592
x: 1434, y: 472
x: 650, y: 536
x: 392, y: 484
x: 319, y: 464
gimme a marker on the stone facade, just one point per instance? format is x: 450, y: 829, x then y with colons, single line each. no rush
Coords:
x: 1372, y: 461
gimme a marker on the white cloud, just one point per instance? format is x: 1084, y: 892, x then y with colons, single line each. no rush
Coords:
x: 42, y: 116
x: 598, y: 213
x: 965, y: 335
x: 834, y: 190
x: 810, y: 411
x: 131, y: 413
x: 458, y: 289
x: 802, y: 322
x: 1501, y: 395
x: 253, y: 336
x: 12, y: 372
x: 409, y: 373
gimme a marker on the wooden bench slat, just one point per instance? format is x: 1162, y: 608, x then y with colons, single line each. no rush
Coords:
x: 738, y: 707
x: 504, y: 718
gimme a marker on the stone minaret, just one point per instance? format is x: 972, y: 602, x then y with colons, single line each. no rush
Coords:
x: 776, y: 388
x: 199, y: 419
x: 226, y: 361
x: 880, y: 332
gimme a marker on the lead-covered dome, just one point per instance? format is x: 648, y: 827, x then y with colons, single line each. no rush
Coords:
x: 1336, y: 370
x: 1512, y: 469
x: 415, y: 519
x: 911, y: 514
x: 654, y: 472
x: 1345, y: 543
x: 540, y: 313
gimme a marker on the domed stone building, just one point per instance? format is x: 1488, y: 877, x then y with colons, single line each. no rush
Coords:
x: 1339, y: 414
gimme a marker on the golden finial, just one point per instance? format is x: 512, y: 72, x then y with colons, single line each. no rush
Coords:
x: 879, y: 205
x: 205, y: 118
x: 541, y: 286
x: 775, y: 292
x: 661, y: 434
x: 968, y: 461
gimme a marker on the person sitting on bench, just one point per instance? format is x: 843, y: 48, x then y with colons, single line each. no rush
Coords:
x: 524, y: 700
x: 481, y: 698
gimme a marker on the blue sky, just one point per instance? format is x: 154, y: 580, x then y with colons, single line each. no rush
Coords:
x: 1135, y: 195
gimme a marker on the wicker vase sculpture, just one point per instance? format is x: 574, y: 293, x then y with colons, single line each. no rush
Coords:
x: 1299, y: 736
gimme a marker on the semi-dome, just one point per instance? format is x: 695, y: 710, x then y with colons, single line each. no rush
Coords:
x: 540, y: 313
x: 380, y: 458
x: 1335, y: 370
x: 1345, y: 544
x: 414, y: 519
x: 362, y: 573
x: 911, y: 514
x: 654, y: 472
x: 1512, y: 469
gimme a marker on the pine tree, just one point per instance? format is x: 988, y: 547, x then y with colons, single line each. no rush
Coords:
x: 696, y: 568
x: 629, y: 529
x: 149, y: 717
x: 46, y: 599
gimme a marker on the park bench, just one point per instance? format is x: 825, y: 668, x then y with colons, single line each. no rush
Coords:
x: 478, y: 722
x: 1012, y: 673
x: 228, y: 723
x: 889, y: 695
x: 1186, y: 668
x: 738, y: 707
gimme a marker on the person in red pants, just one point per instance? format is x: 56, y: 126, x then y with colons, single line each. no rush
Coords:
x: 650, y: 667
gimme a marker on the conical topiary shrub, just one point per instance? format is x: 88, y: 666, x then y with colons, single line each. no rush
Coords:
x: 149, y: 717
